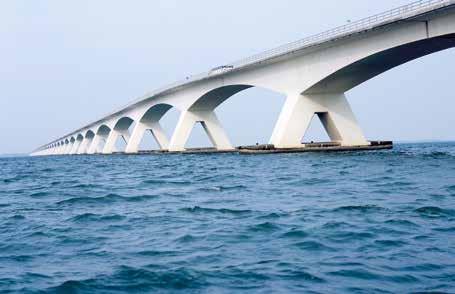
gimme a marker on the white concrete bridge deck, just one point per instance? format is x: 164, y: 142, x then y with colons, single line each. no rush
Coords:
x: 314, y: 73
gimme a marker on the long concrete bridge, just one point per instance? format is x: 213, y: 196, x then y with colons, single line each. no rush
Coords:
x: 314, y: 74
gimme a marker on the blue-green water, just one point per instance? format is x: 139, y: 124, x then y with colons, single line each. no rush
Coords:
x: 361, y: 222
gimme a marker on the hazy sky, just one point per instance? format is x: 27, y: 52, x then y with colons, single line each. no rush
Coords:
x: 65, y: 63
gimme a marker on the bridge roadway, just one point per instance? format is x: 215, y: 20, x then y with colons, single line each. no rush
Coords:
x: 313, y: 73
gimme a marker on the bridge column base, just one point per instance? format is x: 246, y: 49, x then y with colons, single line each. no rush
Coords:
x: 334, y: 112
x: 211, y: 125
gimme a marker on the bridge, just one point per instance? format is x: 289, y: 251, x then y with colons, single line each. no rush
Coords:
x: 313, y: 73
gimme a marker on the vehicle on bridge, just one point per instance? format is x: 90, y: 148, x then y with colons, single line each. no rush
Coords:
x: 221, y: 69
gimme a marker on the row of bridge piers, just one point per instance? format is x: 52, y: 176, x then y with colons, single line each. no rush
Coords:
x: 333, y: 110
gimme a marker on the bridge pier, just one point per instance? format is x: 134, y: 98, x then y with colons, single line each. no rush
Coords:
x: 95, y: 143
x: 211, y: 125
x: 76, y: 146
x: 84, y: 145
x: 109, y: 147
x: 139, y: 131
x: 68, y: 148
x: 333, y: 110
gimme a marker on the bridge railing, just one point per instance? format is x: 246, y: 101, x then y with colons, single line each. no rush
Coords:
x: 403, y: 12
x: 400, y: 13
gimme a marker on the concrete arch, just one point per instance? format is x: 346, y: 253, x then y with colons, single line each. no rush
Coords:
x: 87, y: 140
x: 213, y: 98
x: 103, y: 130
x: 155, y: 113
x: 101, y: 134
x: 89, y: 134
x: 203, y: 111
x: 58, y: 148
x: 150, y: 121
x: 119, y: 130
x: 351, y: 75
x: 77, y: 143
x: 123, y: 123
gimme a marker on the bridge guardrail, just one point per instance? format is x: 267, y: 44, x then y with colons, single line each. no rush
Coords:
x: 403, y: 12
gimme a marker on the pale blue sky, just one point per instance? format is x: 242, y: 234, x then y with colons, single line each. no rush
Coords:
x: 65, y: 63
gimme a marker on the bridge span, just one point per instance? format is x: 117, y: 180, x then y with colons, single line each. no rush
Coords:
x: 313, y: 73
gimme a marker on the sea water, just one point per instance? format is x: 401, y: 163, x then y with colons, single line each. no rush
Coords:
x: 353, y: 222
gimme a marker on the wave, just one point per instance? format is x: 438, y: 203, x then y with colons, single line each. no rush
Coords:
x: 110, y: 198
x: 424, y: 267
x: 107, y: 199
x: 401, y: 222
x: 451, y: 190
x: 198, y: 209
x: 90, y: 217
x: 335, y: 225
x: 85, y: 186
x: 349, y: 236
x: 445, y: 230
x: 39, y: 194
x: 300, y: 275
x: 187, y: 238
x: 17, y: 217
x: 434, y: 211
x: 359, y: 208
x: 295, y: 234
x: 264, y: 227
x: 224, y: 188
x: 13, y: 179
x: 438, y: 155
x: 310, y: 181
x: 166, y: 182
x: 363, y: 274
x: 389, y: 243
x: 422, y: 153
x: 156, y: 253
x: 273, y: 215
x: 395, y: 184
x: 314, y: 246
